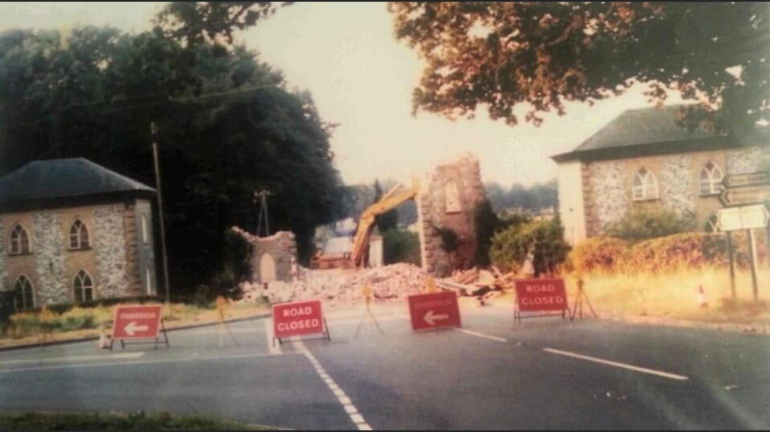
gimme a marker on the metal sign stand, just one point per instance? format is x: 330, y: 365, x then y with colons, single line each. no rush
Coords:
x: 123, y: 343
x: 578, y: 304
x: 221, y: 302
x: 372, y: 319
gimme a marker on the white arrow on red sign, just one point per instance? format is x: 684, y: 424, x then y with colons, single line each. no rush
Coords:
x: 131, y: 328
x: 431, y: 318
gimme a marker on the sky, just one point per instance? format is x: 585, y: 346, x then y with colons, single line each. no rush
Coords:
x: 362, y: 78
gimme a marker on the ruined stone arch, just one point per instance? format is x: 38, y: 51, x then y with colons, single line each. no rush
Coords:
x: 452, y: 203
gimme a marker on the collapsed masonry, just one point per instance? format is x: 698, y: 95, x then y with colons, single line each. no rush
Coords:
x: 271, y: 258
x: 449, y: 202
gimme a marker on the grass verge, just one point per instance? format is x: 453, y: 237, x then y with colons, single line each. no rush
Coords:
x: 116, y: 421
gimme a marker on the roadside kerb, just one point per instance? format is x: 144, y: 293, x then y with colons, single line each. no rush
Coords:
x: 169, y: 329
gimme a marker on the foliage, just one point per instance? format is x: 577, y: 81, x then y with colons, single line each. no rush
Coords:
x: 236, y: 267
x: 197, y: 22
x: 544, y: 238
x: 597, y: 255
x: 450, y: 240
x: 674, y: 253
x: 388, y: 220
x: 641, y: 224
x: 487, y: 224
x: 533, y: 198
x: 226, y: 126
x: 401, y: 246
x: 138, y: 421
x: 541, y: 55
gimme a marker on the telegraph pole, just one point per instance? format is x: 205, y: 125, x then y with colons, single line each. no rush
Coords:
x: 262, y: 195
x: 154, y: 133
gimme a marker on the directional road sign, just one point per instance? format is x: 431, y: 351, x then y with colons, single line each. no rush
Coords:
x: 137, y: 322
x: 434, y: 310
x: 741, y: 218
x: 751, y: 179
x: 745, y: 195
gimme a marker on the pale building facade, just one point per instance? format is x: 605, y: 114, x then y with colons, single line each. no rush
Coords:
x: 72, y: 231
x: 643, y: 160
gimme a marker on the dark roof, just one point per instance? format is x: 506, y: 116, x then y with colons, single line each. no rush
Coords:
x: 58, y: 180
x: 644, y: 131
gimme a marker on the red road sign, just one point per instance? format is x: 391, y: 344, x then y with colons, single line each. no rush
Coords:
x: 540, y: 295
x: 436, y: 310
x: 295, y: 319
x: 137, y: 322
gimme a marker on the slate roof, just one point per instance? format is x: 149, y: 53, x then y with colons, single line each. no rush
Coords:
x: 46, y: 182
x: 644, y: 131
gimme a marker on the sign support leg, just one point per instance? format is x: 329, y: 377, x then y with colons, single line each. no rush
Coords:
x: 732, y: 266
x: 326, y: 328
x: 753, y: 261
x: 165, y: 334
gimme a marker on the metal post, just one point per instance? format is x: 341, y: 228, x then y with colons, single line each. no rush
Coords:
x: 753, y: 261
x: 154, y: 133
x: 732, y: 265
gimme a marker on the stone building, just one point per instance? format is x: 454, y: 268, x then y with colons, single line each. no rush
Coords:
x: 74, y: 231
x: 644, y: 160
x: 448, y: 201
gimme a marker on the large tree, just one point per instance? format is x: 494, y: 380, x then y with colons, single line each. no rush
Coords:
x: 504, y: 54
x: 227, y: 125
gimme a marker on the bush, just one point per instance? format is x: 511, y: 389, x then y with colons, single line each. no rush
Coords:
x: 545, y: 238
x: 487, y: 224
x: 401, y: 246
x: 641, y: 224
x: 665, y: 254
x: 235, y: 267
x: 598, y: 254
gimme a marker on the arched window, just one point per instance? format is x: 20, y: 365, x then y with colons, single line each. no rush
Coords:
x: 711, y: 179
x: 79, y: 235
x: 712, y: 224
x: 83, y: 287
x: 20, y: 241
x: 24, y: 295
x: 645, y: 185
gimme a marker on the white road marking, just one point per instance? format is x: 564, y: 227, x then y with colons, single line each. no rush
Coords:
x: 136, y: 363
x: 481, y: 335
x: 75, y: 358
x: 616, y: 364
x: 275, y: 350
x: 344, y: 400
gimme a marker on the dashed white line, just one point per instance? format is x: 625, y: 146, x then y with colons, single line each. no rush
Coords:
x: 481, y: 335
x: 344, y: 400
x: 272, y: 344
x: 616, y: 364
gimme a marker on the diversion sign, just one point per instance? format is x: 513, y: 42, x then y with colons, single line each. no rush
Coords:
x: 540, y: 295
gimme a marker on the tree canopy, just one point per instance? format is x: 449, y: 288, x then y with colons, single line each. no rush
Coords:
x: 541, y: 55
x: 227, y: 125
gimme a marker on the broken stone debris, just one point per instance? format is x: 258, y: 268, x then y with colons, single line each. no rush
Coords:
x: 390, y: 282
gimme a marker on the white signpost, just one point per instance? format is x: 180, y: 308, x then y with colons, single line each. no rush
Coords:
x: 743, y: 218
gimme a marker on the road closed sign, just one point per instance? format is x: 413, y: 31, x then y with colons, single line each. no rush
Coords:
x: 137, y: 322
x: 435, y: 310
x: 541, y: 295
x: 297, y: 319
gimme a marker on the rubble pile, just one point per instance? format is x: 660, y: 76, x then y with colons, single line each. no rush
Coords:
x: 395, y: 281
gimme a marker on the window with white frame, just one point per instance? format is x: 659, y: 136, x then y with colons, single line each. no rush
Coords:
x: 645, y: 185
x: 711, y: 177
x: 79, y: 235
x: 24, y: 298
x: 20, y: 243
x: 712, y: 224
x: 83, y: 287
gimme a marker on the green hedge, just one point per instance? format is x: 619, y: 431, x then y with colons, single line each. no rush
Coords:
x: 510, y: 247
x: 401, y: 246
x: 670, y: 253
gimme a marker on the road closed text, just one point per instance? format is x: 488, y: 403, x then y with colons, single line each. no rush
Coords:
x: 534, y: 295
x: 295, y: 319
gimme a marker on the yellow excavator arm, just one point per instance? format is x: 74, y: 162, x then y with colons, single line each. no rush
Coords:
x: 388, y: 202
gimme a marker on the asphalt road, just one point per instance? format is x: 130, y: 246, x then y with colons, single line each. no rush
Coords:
x: 546, y: 373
